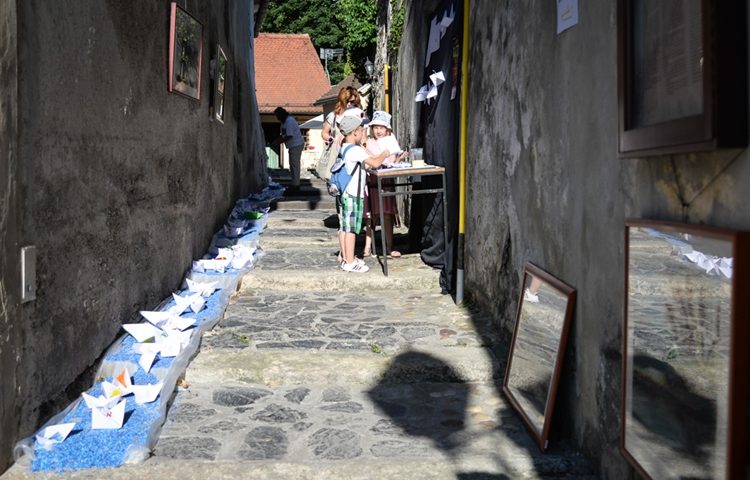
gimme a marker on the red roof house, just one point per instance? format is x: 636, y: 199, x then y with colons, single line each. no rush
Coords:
x: 288, y: 74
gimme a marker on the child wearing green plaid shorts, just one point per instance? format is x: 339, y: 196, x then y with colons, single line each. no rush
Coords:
x: 351, y: 201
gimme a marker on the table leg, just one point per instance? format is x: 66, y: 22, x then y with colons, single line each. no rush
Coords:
x: 382, y: 229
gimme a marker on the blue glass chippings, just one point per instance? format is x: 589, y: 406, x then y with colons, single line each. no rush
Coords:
x: 88, y: 448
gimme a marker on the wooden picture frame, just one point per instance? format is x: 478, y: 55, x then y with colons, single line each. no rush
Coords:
x: 185, y: 53
x: 545, y: 310
x: 682, y: 76
x: 685, y: 354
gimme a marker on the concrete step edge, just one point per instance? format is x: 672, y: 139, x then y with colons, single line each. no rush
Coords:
x: 334, y: 280
x: 297, y: 367
x: 355, y: 469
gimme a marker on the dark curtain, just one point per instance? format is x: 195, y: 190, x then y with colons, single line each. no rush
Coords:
x: 439, y: 132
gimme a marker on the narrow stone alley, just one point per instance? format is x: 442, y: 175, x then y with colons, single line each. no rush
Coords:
x: 315, y: 373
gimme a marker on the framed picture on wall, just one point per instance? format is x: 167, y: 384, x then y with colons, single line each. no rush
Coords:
x: 685, y: 344
x: 185, y: 53
x: 682, y: 76
x: 220, y: 77
x: 545, y: 310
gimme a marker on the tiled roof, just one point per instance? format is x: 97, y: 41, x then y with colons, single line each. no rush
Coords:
x: 288, y: 73
x: 333, y: 93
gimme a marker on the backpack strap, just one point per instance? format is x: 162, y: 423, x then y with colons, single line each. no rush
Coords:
x: 356, y: 167
x: 345, y: 149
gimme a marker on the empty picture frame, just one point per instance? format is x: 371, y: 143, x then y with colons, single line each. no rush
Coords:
x: 544, y: 314
x: 220, y: 77
x: 185, y: 53
x: 685, y: 344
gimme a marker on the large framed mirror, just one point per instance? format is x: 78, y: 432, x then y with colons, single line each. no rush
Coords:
x: 682, y: 76
x: 545, y: 310
x: 685, y: 344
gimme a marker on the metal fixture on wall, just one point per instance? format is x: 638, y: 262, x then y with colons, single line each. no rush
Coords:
x: 369, y: 68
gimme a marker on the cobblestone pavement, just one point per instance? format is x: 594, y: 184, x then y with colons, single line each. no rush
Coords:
x: 329, y: 375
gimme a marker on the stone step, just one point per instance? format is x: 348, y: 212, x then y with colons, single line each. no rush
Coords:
x: 345, y: 322
x: 299, y: 367
x: 519, y: 467
x: 286, y: 219
x: 304, y: 203
x: 337, y: 422
x: 311, y: 237
x: 279, y: 270
x: 271, y: 337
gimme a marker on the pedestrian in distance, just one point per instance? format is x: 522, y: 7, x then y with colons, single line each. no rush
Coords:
x: 348, y: 98
x: 291, y: 136
x: 351, y: 199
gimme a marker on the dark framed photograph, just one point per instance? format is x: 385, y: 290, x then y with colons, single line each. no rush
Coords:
x: 185, y: 53
x: 220, y: 76
x: 685, y: 344
x: 545, y: 310
x: 682, y: 76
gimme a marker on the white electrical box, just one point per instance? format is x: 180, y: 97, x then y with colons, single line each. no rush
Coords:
x: 28, y: 274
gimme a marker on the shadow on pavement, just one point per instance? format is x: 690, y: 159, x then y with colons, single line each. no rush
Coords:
x: 560, y: 460
x: 425, y: 397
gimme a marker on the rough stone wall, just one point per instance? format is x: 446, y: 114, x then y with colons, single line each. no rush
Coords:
x: 9, y: 231
x: 545, y: 185
x: 121, y: 184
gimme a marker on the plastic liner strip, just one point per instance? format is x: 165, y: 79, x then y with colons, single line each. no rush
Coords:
x: 132, y: 443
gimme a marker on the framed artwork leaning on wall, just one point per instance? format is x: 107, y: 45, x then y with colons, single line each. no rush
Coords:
x: 185, y: 53
x: 685, y: 350
x: 545, y: 310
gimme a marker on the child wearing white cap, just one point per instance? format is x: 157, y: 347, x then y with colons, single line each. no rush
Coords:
x: 380, y: 135
x: 351, y: 200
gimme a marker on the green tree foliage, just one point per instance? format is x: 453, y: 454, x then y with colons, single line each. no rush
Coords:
x: 313, y: 17
x: 357, y: 17
x: 398, y: 12
x: 348, y: 24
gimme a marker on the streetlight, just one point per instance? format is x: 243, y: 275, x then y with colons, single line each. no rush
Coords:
x: 369, y: 68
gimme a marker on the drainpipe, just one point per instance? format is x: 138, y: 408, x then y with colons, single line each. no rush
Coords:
x: 462, y: 156
x: 387, y: 87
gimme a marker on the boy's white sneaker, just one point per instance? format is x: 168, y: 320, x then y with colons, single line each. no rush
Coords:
x: 355, y: 267
x: 356, y: 260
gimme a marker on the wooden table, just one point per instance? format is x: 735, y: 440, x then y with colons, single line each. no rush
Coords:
x: 401, y: 172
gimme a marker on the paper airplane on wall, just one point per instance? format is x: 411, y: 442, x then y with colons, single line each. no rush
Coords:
x: 437, y: 78
x: 432, y: 93
x: 433, y: 41
x: 422, y: 93
x: 447, y: 20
